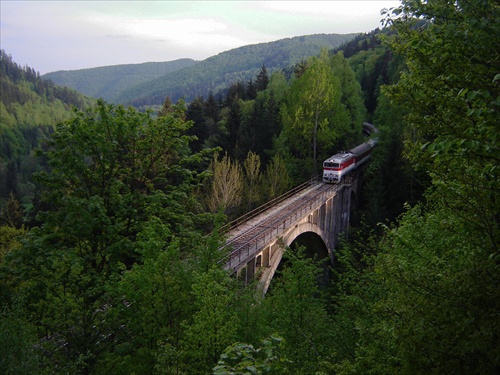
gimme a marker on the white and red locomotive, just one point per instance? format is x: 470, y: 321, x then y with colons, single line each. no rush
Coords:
x: 338, y: 165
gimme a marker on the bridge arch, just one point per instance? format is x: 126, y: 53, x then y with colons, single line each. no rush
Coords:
x: 314, y: 244
x: 282, y: 243
x: 301, y: 228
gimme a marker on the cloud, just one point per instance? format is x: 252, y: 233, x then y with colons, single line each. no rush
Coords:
x: 195, y: 32
x: 328, y: 8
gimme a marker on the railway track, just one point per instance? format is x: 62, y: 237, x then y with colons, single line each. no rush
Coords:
x: 248, y: 237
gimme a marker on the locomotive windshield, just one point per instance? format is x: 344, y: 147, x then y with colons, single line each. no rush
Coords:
x: 328, y: 164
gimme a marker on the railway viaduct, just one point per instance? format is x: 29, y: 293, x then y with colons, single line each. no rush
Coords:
x: 258, y: 239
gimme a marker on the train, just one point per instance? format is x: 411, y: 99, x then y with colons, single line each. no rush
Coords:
x: 339, y: 165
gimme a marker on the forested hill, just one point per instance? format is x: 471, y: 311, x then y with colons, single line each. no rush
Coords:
x: 30, y: 106
x: 108, y: 81
x: 213, y: 74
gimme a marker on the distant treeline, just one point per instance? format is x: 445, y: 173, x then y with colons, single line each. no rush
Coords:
x: 13, y: 93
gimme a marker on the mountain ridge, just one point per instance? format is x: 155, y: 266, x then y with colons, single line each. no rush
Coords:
x: 191, y: 78
x: 103, y: 81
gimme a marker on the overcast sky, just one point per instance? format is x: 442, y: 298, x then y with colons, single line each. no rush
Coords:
x: 66, y: 35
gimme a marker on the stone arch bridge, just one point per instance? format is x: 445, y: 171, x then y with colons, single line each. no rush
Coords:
x: 257, y: 240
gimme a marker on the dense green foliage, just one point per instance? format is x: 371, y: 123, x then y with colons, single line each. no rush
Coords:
x: 118, y: 275
x: 115, y: 174
x: 430, y: 301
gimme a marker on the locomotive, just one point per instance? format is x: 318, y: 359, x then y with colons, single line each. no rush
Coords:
x: 339, y: 165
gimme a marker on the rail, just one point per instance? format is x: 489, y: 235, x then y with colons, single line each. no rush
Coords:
x: 266, y: 206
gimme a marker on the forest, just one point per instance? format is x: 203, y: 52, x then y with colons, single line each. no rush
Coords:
x: 111, y: 217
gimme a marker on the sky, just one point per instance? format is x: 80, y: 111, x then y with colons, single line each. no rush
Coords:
x: 66, y: 35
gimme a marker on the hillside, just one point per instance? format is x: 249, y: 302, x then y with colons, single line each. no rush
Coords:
x: 108, y: 81
x: 213, y: 74
x: 30, y: 107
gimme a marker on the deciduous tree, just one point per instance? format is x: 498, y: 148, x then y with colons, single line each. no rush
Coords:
x: 307, y: 112
x: 214, y: 325
x: 112, y: 170
x: 276, y: 178
x: 437, y: 273
x: 253, y: 178
x: 226, y: 185
x: 297, y: 311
